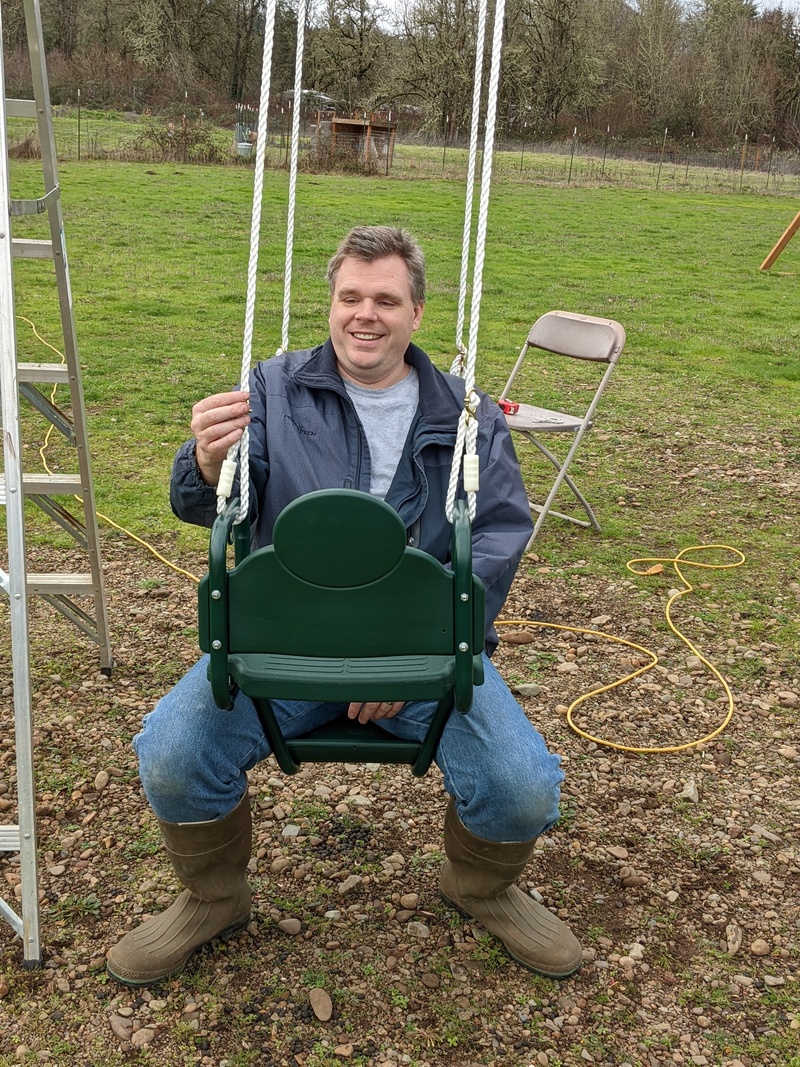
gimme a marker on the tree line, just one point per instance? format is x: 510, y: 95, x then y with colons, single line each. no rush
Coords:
x: 717, y: 69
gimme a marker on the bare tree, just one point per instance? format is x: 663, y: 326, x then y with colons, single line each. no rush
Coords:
x: 556, y: 58
x: 655, y: 66
x: 438, y: 60
x: 347, y: 51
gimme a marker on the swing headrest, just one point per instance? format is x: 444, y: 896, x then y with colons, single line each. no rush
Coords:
x: 339, y: 538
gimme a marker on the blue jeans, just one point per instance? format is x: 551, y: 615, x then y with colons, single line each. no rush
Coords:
x: 193, y: 757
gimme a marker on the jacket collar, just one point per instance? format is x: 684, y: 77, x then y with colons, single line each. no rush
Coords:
x: 440, y: 406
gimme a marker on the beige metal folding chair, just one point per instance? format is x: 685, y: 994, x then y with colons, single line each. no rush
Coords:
x: 582, y: 337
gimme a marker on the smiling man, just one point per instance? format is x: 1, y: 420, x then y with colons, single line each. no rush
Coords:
x: 365, y: 410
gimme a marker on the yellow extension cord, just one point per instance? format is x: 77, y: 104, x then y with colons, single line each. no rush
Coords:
x: 656, y: 566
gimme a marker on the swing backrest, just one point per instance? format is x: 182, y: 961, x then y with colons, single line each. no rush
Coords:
x: 340, y: 608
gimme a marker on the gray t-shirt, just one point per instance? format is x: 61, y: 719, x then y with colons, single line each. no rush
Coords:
x: 386, y: 415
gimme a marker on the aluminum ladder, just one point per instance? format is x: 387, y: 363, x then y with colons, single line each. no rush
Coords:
x: 16, y: 378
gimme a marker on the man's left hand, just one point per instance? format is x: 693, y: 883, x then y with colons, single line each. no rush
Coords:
x: 373, y: 710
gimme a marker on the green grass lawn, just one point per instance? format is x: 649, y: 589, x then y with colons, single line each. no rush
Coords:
x: 697, y: 439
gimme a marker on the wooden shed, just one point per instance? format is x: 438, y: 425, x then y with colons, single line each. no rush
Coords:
x: 368, y: 140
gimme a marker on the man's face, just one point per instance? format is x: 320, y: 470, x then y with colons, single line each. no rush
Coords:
x: 372, y: 319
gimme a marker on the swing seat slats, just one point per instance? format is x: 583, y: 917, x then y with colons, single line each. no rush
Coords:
x: 345, y: 741
x: 408, y: 677
x: 340, y: 609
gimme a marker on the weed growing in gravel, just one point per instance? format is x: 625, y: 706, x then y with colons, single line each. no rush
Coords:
x: 67, y: 909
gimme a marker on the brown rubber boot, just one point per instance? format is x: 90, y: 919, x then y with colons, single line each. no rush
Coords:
x: 478, y: 878
x: 210, y: 860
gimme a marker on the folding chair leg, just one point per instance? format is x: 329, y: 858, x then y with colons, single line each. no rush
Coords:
x: 561, y: 478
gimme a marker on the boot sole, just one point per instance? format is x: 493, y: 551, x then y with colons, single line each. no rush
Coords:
x: 521, y: 962
x: 140, y: 983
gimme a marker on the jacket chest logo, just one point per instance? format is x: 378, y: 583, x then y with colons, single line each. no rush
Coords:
x: 300, y: 429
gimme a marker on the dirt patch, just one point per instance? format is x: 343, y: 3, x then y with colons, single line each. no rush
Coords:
x: 655, y: 883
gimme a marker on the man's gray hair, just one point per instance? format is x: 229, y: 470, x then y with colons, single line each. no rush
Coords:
x: 369, y: 243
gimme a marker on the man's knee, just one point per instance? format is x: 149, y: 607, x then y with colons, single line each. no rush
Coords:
x: 528, y: 794
x: 169, y: 758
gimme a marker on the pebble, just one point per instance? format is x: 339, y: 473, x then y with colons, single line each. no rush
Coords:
x: 690, y: 792
x: 291, y: 830
x: 321, y: 1004
x: 760, y: 947
x: 349, y: 884
x: 773, y: 980
x: 409, y: 900
x: 733, y: 936
x: 617, y: 851
x: 518, y: 637
x: 102, y: 778
x: 343, y: 1051
x: 528, y: 689
x: 143, y: 1037
x: 788, y: 752
x: 290, y: 926
x: 762, y: 831
x: 122, y: 1028
x: 416, y: 929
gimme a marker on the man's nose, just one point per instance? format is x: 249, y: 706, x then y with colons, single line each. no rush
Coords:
x: 366, y: 309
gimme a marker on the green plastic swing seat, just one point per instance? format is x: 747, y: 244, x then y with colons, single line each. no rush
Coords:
x: 340, y: 609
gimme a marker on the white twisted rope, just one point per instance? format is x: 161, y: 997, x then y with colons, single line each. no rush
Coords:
x: 242, y: 447
x: 297, y: 107
x: 467, y: 435
x: 459, y: 362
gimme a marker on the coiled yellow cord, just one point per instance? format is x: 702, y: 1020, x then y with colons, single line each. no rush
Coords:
x: 656, y: 566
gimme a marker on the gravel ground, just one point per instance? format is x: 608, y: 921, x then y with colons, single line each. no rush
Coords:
x: 679, y: 872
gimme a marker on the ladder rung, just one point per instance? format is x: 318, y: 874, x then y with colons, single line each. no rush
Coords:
x: 37, y: 206
x: 65, y: 584
x: 52, y: 484
x: 50, y: 373
x: 28, y: 248
x: 9, y: 839
x: 21, y: 109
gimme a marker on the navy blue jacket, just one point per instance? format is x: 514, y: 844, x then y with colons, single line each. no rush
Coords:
x: 305, y: 435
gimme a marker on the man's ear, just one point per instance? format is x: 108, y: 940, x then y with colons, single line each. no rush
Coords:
x: 418, y: 309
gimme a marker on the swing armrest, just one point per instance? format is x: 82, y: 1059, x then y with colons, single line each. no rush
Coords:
x: 213, y: 596
x: 469, y: 668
